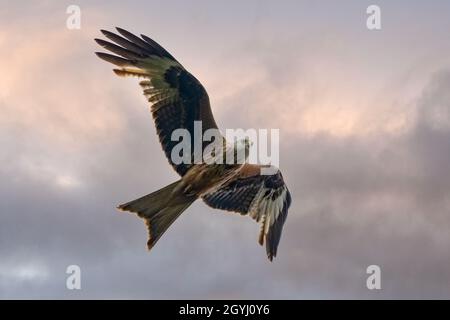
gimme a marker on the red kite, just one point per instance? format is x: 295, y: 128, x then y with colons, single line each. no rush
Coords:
x: 178, y: 99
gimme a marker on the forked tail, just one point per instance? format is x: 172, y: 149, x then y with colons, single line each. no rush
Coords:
x: 159, y: 210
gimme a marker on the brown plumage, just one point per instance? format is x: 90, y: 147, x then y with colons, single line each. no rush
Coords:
x: 177, y: 100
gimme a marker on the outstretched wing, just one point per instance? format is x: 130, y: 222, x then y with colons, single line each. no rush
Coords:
x: 265, y: 198
x: 177, y: 97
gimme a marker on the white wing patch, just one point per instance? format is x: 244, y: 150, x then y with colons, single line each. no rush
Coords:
x: 265, y: 210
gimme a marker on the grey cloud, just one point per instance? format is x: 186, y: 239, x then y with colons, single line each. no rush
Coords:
x: 354, y: 205
x: 357, y: 200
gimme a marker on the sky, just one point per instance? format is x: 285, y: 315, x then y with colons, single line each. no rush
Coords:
x: 364, y: 119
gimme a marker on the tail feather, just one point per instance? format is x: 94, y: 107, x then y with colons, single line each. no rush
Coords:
x: 161, y: 221
x: 159, y: 210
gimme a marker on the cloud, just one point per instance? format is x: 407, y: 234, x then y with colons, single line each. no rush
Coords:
x: 366, y: 164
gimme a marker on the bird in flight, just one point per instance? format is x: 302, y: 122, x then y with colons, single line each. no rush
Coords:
x: 178, y: 100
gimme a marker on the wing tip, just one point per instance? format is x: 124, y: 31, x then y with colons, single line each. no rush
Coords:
x: 121, y: 30
x: 116, y: 60
x: 105, y: 56
x: 102, y: 43
x: 105, y: 32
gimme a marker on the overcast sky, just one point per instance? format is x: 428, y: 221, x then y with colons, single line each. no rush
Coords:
x: 364, y: 119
